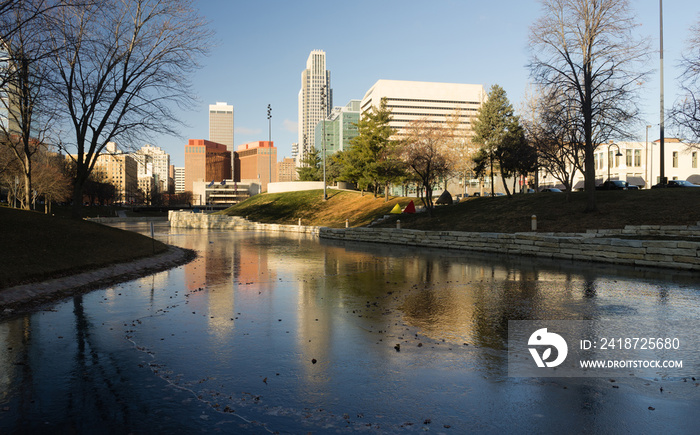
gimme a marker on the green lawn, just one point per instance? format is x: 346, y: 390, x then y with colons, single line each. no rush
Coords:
x: 498, y: 214
x: 36, y: 246
x: 554, y: 213
x: 309, y: 206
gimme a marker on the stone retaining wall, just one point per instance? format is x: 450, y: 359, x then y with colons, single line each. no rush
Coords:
x: 186, y: 219
x: 598, y: 246
x: 109, y: 220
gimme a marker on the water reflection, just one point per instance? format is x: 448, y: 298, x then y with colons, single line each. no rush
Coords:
x: 286, y: 333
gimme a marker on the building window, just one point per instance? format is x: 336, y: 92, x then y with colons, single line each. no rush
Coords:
x: 628, y: 158
x: 675, y: 159
x: 695, y: 159
x: 638, y: 158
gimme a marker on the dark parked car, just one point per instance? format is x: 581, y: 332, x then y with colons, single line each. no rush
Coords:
x: 613, y: 185
x: 675, y: 183
x: 551, y: 189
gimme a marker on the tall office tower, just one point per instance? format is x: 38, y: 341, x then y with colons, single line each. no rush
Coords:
x: 179, y: 179
x: 221, y: 124
x: 153, y: 162
x: 315, y: 100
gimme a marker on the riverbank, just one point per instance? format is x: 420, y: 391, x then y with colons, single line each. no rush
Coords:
x: 616, y: 209
x: 27, y: 297
x: 37, y: 247
x: 678, y: 247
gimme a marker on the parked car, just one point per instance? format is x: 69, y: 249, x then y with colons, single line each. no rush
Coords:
x: 551, y: 189
x: 675, y: 183
x: 613, y: 185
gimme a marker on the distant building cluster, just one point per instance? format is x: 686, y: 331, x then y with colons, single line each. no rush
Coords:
x: 216, y: 172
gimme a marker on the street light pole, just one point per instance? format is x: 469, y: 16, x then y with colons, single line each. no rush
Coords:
x: 619, y: 154
x: 323, y: 139
x: 647, y: 169
x: 269, y: 140
x: 661, y: 72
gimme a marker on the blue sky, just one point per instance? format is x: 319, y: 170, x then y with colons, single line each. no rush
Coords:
x: 261, y: 48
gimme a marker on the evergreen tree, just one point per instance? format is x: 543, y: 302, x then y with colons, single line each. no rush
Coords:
x: 372, y: 160
x: 311, y: 169
x: 497, y: 129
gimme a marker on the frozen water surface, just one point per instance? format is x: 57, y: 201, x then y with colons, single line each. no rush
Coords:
x: 286, y: 334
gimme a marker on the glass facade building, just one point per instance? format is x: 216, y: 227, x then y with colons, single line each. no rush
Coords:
x: 340, y: 128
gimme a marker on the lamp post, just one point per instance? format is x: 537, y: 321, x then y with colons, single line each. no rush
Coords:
x: 647, y: 170
x: 269, y: 140
x: 323, y: 139
x: 662, y: 174
x: 619, y: 154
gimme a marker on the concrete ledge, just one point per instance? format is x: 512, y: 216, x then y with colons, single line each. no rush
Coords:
x: 602, y: 246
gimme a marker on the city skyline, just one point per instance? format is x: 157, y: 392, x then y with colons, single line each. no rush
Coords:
x: 446, y: 42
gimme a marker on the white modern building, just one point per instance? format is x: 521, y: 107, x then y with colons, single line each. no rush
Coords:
x: 315, y: 100
x: 179, y: 179
x: 435, y: 102
x: 221, y: 124
x: 153, y: 162
x: 638, y: 164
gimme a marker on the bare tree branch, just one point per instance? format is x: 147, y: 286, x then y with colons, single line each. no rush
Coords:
x: 123, y: 67
x: 587, y: 51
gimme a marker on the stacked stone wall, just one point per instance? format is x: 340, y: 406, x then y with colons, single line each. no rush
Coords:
x: 607, y: 246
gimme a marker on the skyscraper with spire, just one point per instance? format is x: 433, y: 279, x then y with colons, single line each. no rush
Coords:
x: 315, y: 101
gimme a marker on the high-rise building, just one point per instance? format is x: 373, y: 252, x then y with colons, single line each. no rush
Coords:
x: 315, y: 100
x: 221, y: 125
x: 434, y: 102
x: 340, y: 127
x: 206, y: 161
x: 258, y: 161
x: 286, y: 170
x: 120, y: 170
x: 179, y: 175
x: 153, y: 162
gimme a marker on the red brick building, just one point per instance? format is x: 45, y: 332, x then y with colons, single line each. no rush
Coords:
x: 257, y: 162
x: 206, y: 161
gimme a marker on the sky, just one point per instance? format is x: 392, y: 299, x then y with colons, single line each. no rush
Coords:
x: 260, y: 48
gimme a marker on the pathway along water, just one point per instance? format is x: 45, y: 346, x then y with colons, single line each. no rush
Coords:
x: 283, y: 333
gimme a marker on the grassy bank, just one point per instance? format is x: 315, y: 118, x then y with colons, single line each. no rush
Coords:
x: 309, y: 206
x: 499, y: 214
x: 36, y: 246
x: 555, y: 214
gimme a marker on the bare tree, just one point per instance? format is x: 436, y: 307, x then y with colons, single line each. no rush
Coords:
x: 686, y: 111
x: 555, y: 131
x: 123, y: 67
x: 461, y: 150
x: 425, y: 152
x: 50, y: 179
x: 27, y: 117
x: 587, y: 51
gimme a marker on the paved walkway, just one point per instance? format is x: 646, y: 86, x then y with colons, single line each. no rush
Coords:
x: 29, y: 296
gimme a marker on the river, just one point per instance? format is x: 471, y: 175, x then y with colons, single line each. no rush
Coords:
x: 267, y: 333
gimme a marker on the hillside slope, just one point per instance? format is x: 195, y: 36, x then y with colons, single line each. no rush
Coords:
x: 309, y: 206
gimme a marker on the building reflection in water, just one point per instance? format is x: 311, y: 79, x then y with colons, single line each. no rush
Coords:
x: 343, y: 305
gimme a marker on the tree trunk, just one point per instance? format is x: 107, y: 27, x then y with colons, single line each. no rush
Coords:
x: 589, y: 176
x: 493, y: 192
x: 505, y: 185
x: 77, y: 208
